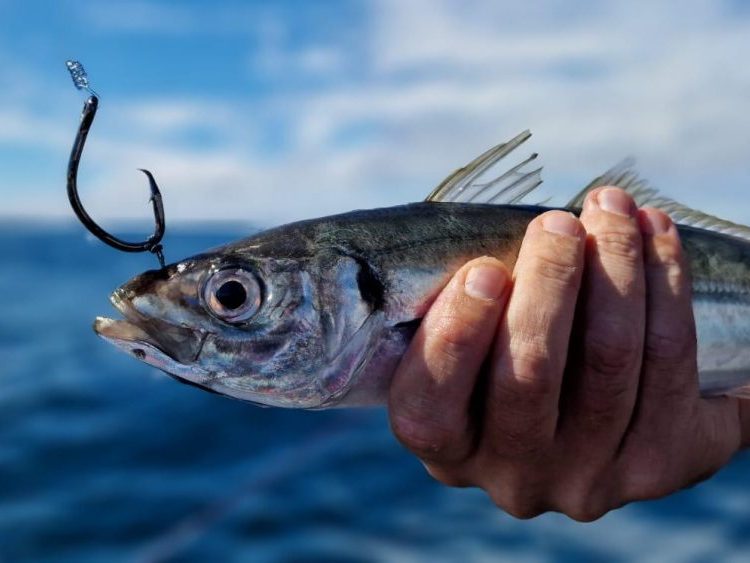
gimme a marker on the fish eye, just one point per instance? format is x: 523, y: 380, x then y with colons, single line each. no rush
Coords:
x: 232, y: 295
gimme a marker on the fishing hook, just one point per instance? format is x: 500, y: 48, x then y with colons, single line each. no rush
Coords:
x: 151, y: 244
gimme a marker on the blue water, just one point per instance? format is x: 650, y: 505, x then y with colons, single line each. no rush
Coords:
x: 103, y: 459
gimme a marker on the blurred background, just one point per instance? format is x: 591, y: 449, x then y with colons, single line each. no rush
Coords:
x: 251, y: 114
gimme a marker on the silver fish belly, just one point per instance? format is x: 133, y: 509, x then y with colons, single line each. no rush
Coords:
x: 721, y: 305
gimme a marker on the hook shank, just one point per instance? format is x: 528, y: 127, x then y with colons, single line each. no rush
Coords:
x: 153, y: 243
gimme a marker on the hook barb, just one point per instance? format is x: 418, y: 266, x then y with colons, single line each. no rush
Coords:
x: 151, y: 244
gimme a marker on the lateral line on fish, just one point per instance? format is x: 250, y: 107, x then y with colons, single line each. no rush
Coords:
x: 708, y: 286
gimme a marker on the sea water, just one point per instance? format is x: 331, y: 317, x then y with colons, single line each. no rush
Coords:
x: 104, y: 459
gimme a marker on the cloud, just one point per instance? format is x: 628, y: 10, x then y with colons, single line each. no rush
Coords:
x: 172, y: 19
x: 279, y: 55
x: 423, y: 88
x: 22, y: 128
x: 141, y: 17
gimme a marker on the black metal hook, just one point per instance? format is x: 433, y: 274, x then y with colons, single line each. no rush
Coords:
x: 153, y: 243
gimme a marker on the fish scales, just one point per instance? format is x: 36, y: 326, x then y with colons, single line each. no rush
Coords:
x: 317, y: 314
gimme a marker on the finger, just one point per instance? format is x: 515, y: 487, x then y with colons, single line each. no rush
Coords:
x: 601, y: 388
x: 669, y: 361
x: 669, y: 383
x: 432, y: 388
x: 532, y: 343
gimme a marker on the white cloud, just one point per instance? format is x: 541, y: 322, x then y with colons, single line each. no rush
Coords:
x: 25, y: 128
x: 321, y: 60
x: 441, y: 82
x: 160, y: 17
x: 157, y: 117
x: 141, y: 16
x: 279, y: 55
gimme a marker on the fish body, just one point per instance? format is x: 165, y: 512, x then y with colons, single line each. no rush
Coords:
x: 317, y: 314
x: 720, y: 268
x: 341, y: 299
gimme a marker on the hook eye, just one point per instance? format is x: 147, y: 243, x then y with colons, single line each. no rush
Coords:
x: 153, y: 243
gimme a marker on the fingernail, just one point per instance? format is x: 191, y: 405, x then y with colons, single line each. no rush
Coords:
x: 654, y: 222
x: 561, y: 223
x: 485, y: 282
x: 616, y: 201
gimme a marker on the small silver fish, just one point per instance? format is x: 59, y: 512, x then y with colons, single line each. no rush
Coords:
x: 317, y: 314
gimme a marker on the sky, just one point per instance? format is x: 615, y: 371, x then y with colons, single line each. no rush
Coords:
x: 267, y: 112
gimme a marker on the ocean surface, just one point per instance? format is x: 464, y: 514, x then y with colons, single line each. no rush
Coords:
x: 104, y: 459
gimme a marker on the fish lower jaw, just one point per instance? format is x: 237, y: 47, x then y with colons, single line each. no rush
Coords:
x: 168, y: 347
x: 129, y: 338
x: 134, y: 341
x: 178, y: 341
x: 120, y: 330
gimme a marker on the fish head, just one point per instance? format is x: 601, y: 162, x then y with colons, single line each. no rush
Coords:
x: 278, y: 332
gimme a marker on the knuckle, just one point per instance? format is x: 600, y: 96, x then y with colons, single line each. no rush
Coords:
x: 666, y: 255
x: 447, y: 476
x: 586, y: 511
x: 612, y: 351
x: 622, y: 245
x: 602, y: 410
x: 530, y: 366
x: 428, y: 439
x: 530, y: 378
x: 670, y: 349
x: 585, y: 502
x: 669, y: 260
x: 519, y: 488
x: 555, y: 270
x: 517, y: 503
x: 523, y: 512
x: 454, y: 336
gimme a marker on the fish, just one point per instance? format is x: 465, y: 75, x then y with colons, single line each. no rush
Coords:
x: 317, y: 314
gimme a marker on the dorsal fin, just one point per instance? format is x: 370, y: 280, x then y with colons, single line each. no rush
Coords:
x: 479, y: 182
x: 624, y: 176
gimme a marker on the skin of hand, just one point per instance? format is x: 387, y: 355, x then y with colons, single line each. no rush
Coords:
x: 572, y: 385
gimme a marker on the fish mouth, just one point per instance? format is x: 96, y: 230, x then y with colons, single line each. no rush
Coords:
x: 169, y: 347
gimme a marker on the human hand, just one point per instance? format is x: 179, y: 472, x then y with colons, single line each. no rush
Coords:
x: 501, y: 389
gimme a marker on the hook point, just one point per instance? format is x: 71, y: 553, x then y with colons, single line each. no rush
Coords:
x: 152, y: 184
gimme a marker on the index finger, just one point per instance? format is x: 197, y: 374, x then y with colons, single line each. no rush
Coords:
x: 431, y: 390
x: 532, y: 345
